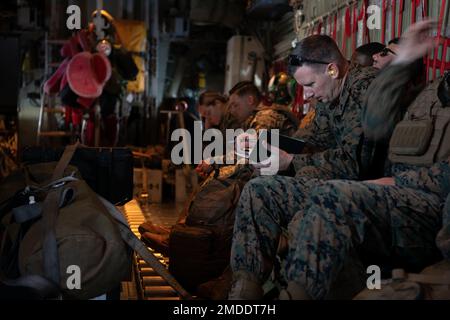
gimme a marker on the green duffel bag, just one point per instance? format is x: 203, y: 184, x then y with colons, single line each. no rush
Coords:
x: 63, y: 241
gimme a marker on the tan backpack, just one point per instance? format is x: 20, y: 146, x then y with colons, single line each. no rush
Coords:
x: 200, y: 248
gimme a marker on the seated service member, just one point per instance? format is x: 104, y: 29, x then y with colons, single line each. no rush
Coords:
x: 268, y: 204
x: 392, y: 221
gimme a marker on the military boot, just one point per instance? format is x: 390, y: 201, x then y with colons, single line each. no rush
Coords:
x: 245, y: 286
x: 294, y: 292
x: 217, y: 289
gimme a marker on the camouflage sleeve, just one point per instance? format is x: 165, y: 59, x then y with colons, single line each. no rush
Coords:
x: 341, y: 159
x: 317, y: 134
x: 435, y: 179
x: 387, y: 99
x: 228, y: 122
x: 271, y: 119
x: 339, y: 163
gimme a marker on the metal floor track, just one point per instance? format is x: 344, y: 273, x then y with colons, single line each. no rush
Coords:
x: 149, y: 285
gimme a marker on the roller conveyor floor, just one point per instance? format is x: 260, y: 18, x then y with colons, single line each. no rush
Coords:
x: 149, y: 285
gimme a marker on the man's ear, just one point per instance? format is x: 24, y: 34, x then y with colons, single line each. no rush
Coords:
x: 251, y: 100
x: 333, y: 71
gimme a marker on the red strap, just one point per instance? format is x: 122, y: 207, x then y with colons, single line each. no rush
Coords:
x: 83, y: 40
x: 319, y: 27
x: 77, y: 117
x: 425, y: 8
x: 348, y: 23
x: 330, y: 25
x: 366, y: 28
x: 86, y: 102
x: 441, y: 16
x: 441, y: 20
x: 67, y: 115
x: 444, y: 64
x: 344, y: 33
x: 335, y: 27
x: 363, y: 16
x: 53, y: 84
x: 355, y: 26
x: 383, y: 23
x: 347, y: 31
x: 393, y: 17
x: 400, y: 17
x: 424, y: 14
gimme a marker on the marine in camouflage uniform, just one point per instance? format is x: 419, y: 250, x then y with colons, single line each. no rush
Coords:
x: 263, y: 117
x: 276, y: 116
x: 337, y: 129
x: 228, y: 121
x: 268, y: 204
x: 393, y: 226
x: 314, y: 129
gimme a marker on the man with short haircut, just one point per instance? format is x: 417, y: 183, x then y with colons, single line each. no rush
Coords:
x: 252, y: 114
x: 246, y: 110
x: 244, y: 99
x: 391, y: 222
x: 363, y: 55
x: 268, y: 204
x: 205, y: 101
x: 214, y: 108
x: 383, y: 58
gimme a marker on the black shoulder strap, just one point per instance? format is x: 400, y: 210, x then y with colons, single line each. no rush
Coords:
x: 64, y: 161
x: 50, y: 209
